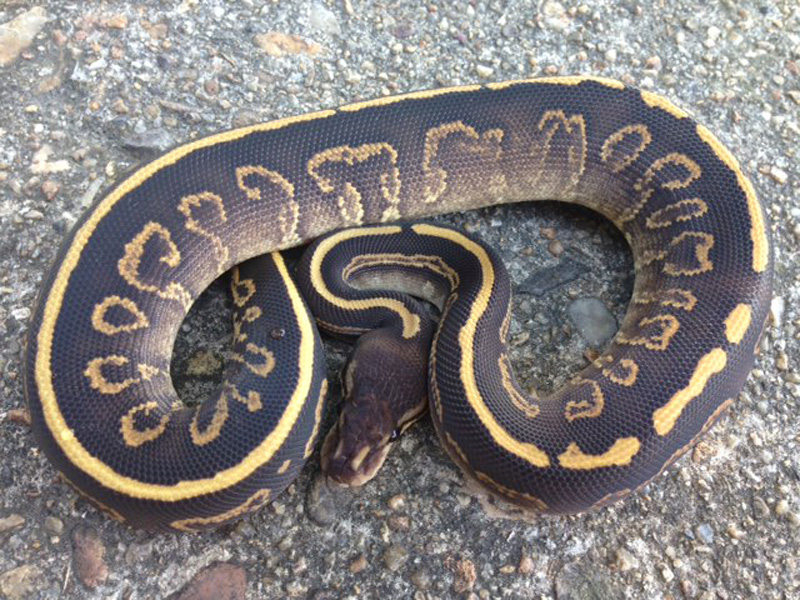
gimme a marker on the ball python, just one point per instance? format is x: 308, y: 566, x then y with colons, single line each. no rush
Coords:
x: 97, y: 381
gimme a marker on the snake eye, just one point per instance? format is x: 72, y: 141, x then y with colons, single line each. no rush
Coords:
x: 395, y: 434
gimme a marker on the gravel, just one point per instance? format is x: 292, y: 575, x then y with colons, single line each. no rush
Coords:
x: 89, y: 90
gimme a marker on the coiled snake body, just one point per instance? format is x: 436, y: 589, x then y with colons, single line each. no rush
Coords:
x: 97, y: 376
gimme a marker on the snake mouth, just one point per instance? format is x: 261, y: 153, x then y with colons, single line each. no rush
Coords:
x: 349, y: 466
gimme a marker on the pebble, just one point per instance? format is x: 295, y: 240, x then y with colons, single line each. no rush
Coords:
x: 593, y: 320
x: 625, y: 561
x: 395, y: 557
x: 760, y: 508
x: 526, y: 564
x: 781, y: 508
x: 397, y: 502
x: 12, y: 521
x: 465, y: 573
x: 278, y: 44
x: 705, y: 533
x: 18, y: 34
x: 53, y: 525
x: 359, y: 564
x: 702, y: 451
x: 734, y: 531
x: 18, y: 583
x: 778, y: 175
x: 320, y: 503
x: 484, y: 71
x: 776, y: 309
x: 218, y: 581
x: 555, y: 16
x: 556, y: 248
x: 88, y: 553
x: 421, y: 578
x: 324, y: 19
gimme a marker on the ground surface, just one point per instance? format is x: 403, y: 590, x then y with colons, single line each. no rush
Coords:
x: 104, y: 85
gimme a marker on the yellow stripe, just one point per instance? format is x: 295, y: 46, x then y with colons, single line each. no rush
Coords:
x: 657, y: 101
x: 466, y: 337
x: 664, y: 418
x: 619, y: 455
x: 410, y: 96
x: 182, y: 490
x: 411, y: 323
x: 738, y: 322
x: 758, y: 226
x: 572, y: 80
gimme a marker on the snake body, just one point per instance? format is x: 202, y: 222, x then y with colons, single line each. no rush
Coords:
x: 97, y: 373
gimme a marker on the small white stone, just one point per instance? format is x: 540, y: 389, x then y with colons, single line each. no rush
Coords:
x: 779, y: 175
x: 484, y: 71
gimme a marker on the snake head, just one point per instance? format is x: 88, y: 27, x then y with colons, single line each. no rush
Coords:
x: 357, y: 446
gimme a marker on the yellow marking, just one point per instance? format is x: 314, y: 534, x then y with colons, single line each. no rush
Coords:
x: 466, y: 337
x: 386, y: 100
x: 704, y: 244
x: 359, y: 458
x: 758, y: 226
x: 252, y: 401
x: 575, y: 162
x: 682, y: 210
x: 487, y: 143
x: 516, y: 495
x: 105, y: 475
x: 241, y: 289
x: 667, y: 326
x: 585, y: 409
x: 287, y: 207
x: 285, y: 466
x: 738, y: 322
x: 349, y: 201
x: 261, y: 369
x: 453, y: 445
x: 214, y: 427
x: 100, y: 323
x: 187, y: 204
x: 522, y: 403
x: 657, y: 101
x: 629, y: 372
x: 505, y: 326
x: 411, y: 321
x: 646, y: 185
x: 675, y: 297
x: 53, y: 417
x: 611, y: 143
x: 128, y: 265
x: 438, y: 411
x: 317, y: 419
x: 136, y: 437
x: 251, y: 314
x: 98, y: 381
x: 194, y: 523
x: 569, y: 80
x: 620, y: 454
x: 664, y: 418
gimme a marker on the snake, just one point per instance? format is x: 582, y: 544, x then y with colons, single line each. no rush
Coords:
x: 363, y: 180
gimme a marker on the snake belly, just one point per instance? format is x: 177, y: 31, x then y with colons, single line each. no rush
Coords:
x: 102, y: 405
